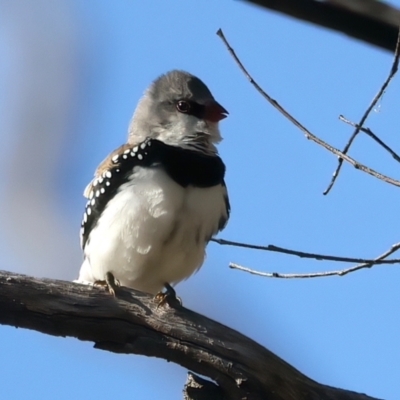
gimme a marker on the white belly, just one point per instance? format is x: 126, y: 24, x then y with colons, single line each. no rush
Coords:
x: 153, y: 232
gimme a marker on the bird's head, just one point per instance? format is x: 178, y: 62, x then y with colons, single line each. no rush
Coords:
x: 178, y: 109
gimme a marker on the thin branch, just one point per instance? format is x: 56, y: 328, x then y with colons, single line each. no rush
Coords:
x: 302, y: 254
x: 307, y: 133
x: 133, y: 323
x: 373, y: 136
x: 340, y: 272
x: 392, y: 72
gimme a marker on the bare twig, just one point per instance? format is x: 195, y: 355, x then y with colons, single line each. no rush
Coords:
x: 302, y: 254
x: 392, y: 72
x: 307, y: 133
x: 339, y: 272
x: 373, y: 136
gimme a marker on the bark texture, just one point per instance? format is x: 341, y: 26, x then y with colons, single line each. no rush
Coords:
x: 133, y: 323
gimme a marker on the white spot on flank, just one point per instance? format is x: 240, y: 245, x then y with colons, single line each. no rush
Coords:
x: 97, y: 193
x: 95, y: 182
x: 107, y: 183
x: 101, y: 180
x: 102, y: 190
x: 127, y: 151
x: 135, y: 149
x: 85, y: 217
x: 117, y: 170
x: 124, y: 156
x: 143, y: 145
x: 91, y: 194
x: 115, y: 158
x: 108, y: 174
x: 143, y: 250
x: 92, y: 202
x: 140, y: 157
x: 89, y: 211
x: 133, y: 154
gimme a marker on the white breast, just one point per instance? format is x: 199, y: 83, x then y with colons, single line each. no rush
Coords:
x: 153, y: 231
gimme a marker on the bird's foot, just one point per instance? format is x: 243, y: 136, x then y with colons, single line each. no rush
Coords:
x: 110, y: 283
x: 169, y: 296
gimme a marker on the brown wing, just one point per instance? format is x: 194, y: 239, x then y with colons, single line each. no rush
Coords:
x: 105, y: 165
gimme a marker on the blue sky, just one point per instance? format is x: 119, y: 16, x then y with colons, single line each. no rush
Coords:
x: 72, y: 72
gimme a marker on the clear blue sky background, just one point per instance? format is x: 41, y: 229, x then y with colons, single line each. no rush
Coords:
x: 71, y: 74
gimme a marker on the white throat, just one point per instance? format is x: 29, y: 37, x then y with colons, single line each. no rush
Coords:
x: 190, y: 133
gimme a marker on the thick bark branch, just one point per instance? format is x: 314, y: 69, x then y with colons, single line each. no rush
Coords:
x: 369, y: 20
x: 133, y: 323
x: 197, y: 388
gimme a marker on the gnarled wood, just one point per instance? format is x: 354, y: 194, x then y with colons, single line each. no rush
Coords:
x: 197, y: 388
x: 133, y: 323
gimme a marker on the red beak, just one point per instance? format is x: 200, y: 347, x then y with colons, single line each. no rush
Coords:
x: 214, y: 111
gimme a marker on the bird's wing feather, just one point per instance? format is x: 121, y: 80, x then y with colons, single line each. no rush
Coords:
x: 113, y: 171
x: 105, y: 165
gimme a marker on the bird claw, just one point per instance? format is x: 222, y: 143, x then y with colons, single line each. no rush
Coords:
x: 110, y: 283
x: 169, y: 296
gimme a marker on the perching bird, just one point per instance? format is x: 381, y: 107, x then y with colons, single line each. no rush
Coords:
x: 156, y: 201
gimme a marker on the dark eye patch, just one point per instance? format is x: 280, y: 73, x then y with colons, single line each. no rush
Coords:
x: 191, y: 108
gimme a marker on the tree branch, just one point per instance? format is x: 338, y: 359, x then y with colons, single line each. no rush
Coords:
x: 197, y: 388
x: 378, y: 95
x: 316, y: 256
x: 133, y: 324
x: 373, y: 136
x: 339, y: 272
x: 307, y: 133
x: 369, y: 20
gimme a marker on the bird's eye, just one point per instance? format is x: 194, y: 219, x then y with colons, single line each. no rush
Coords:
x: 183, y: 106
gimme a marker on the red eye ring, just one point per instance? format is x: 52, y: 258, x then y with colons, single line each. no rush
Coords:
x: 183, y: 106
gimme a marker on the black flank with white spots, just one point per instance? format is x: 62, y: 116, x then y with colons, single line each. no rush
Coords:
x: 184, y: 166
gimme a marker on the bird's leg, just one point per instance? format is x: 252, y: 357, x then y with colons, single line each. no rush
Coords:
x: 110, y: 283
x: 168, y: 295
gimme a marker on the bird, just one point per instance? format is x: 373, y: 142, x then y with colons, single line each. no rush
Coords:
x: 156, y: 201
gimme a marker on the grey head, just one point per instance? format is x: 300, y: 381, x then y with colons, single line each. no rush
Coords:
x: 178, y: 109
